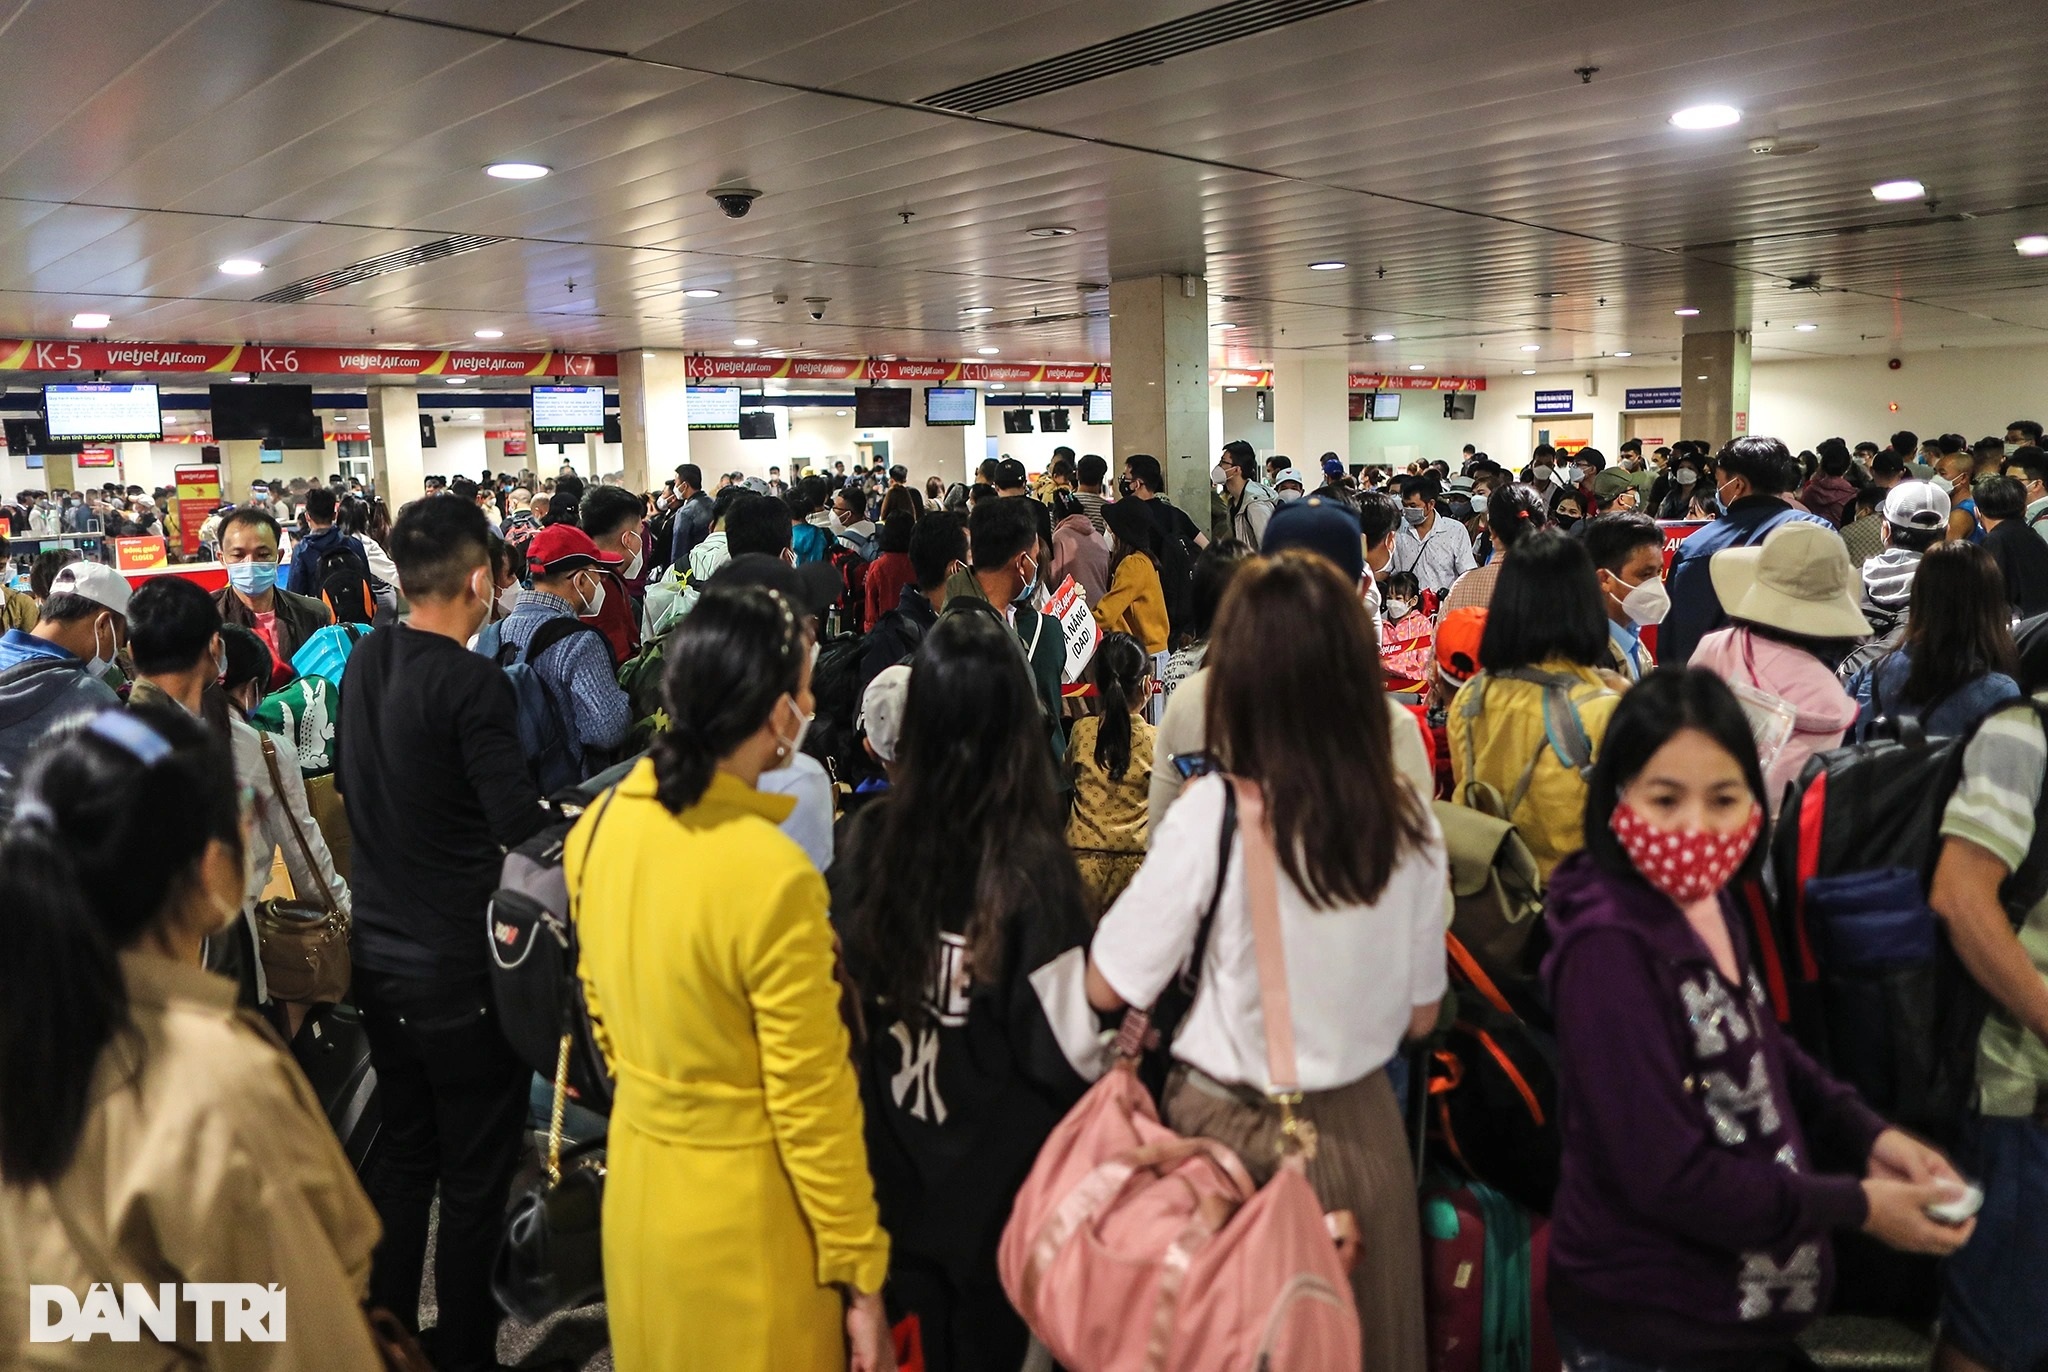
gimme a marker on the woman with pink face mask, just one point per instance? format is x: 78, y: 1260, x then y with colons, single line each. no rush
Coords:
x: 1692, y: 1225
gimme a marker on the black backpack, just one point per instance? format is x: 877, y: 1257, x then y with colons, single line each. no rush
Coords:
x: 835, y: 687
x: 1492, y: 1085
x: 546, y: 724
x: 1177, y: 580
x: 341, y: 581
x: 1855, y: 960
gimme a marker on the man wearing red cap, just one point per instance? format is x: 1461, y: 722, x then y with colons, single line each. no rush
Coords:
x: 547, y: 629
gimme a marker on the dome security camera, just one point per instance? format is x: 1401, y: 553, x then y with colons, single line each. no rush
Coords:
x: 735, y: 201
x: 817, y: 304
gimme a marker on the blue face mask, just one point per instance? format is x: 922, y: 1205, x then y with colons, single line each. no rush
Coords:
x: 253, y: 578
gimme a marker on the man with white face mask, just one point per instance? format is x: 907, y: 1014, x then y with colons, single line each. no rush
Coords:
x: 51, y: 675
x: 554, y: 628
x: 437, y: 789
x: 1627, y: 549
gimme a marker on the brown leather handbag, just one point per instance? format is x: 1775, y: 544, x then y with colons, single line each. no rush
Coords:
x: 304, y: 945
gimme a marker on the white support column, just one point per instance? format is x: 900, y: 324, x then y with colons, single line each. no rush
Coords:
x: 654, y: 417
x: 1159, y: 359
x: 395, y: 455
x: 1311, y: 412
x: 1714, y: 374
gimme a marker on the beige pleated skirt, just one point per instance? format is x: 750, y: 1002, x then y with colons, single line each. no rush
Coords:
x: 1361, y: 1165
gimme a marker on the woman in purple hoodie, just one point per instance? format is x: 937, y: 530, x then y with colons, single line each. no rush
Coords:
x: 1692, y: 1222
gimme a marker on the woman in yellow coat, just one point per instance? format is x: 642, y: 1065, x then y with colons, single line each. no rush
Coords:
x: 1135, y: 603
x: 740, y: 1229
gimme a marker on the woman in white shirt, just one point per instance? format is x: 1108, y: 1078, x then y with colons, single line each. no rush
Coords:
x: 1294, y: 704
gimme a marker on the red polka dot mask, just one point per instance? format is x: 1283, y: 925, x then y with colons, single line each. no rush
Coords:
x: 1685, y: 864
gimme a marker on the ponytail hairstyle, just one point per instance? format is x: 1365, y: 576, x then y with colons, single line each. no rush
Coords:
x: 1119, y: 674
x: 738, y: 652
x: 109, y: 825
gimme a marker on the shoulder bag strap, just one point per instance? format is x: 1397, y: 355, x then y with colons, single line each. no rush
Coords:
x: 1262, y: 896
x: 1192, y: 973
x: 292, y: 822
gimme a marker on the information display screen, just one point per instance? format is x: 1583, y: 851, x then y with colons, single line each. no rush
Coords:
x: 881, y: 407
x: 568, y: 409
x: 951, y: 406
x: 1098, y: 407
x: 1386, y: 405
x: 714, y: 407
x: 103, y: 413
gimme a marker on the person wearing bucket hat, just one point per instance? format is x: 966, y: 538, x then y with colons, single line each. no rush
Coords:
x: 1793, y: 606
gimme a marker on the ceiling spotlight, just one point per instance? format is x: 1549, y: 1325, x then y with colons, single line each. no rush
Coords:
x: 91, y: 321
x: 1805, y: 328
x: 517, y: 171
x: 1532, y: 347
x: 1624, y: 354
x: 1230, y: 390
x: 2033, y: 245
x: 647, y: 354
x: 1326, y: 266
x: 1550, y: 295
x: 1223, y: 324
x: 746, y: 342
x: 1416, y: 367
x: 1898, y: 190
x: 1052, y: 231
x: 988, y: 352
x: 840, y: 413
x: 490, y: 333
x: 1528, y: 371
x: 1382, y: 338
x: 701, y: 293
x: 244, y: 378
x: 979, y: 309
x: 456, y: 380
x: 241, y: 266
x: 1706, y: 117
x: 1686, y: 313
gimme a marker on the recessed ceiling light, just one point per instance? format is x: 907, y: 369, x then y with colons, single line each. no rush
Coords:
x: 746, y: 342
x: 979, y: 309
x: 1898, y: 190
x: 2033, y: 245
x: 1686, y: 313
x: 1416, y: 367
x: 490, y: 333
x: 456, y: 380
x: 1706, y: 117
x: 517, y: 171
x: 241, y: 266
x: 243, y: 379
x: 1550, y: 295
x: 1382, y: 338
x: 91, y: 321
x: 1052, y: 230
x: 988, y: 352
x: 1532, y: 347
x: 840, y: 413
x: 1528, y: 371
x: 1805, y: 328
x: 1230, y: 390
x: 1326, y: 266
x: 1702, y: 376
x: 1223, y: 324
x: 1624, y: 354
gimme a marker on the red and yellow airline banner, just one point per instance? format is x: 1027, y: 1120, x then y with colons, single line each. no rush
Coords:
x: 1362, y: 381
x: 858, y: 369
x: 31, y: 355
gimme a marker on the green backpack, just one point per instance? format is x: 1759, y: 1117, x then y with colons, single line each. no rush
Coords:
x: 640, y: 679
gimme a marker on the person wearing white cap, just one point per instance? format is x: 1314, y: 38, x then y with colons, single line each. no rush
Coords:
x: 881, y: 716
x: 53, y: 674
x: 1914, y: 519
x: 1792, y: 605
x: 1288, y: 485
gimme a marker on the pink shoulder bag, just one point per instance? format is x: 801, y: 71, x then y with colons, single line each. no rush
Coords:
x: 1132, y: 1249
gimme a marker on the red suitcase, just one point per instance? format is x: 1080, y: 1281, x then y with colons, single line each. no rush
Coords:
x: 1466, y: 1331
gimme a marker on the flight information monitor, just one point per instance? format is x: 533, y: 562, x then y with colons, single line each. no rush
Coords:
x: 714, y: 407
x: 103, y: 413
x: 568, y: 409
x: 951, y: 406
x: 1098, y: 407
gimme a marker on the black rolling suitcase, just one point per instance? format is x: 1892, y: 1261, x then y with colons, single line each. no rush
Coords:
x: 333, y: 1050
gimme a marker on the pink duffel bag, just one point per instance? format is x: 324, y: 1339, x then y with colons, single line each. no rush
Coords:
x: 1132, y: 1249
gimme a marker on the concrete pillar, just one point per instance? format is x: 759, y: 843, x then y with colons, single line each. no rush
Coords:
x: 1311, y: 412
x: 241, y: 462
x: 1217, y: 438
x: 395, y: 454
x: 1714, y: 372
x: 654, y: 416
x: 1159, y: 356
x: 137, y: 466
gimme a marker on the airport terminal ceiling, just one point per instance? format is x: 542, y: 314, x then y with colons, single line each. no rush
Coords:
x: 1492, y: 175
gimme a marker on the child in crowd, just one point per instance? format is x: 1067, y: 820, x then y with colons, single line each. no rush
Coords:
x: 1407, y: 638
x: 1110, y: 757
x: 1692, y: 1223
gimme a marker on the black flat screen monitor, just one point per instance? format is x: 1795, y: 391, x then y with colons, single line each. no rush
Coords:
x: 1461, y: 405
x: 1052, y: 421
x: 881, y: 407
x: 277, y: 416
x: 28, y: 437
x: 1017, y: 422
x: 757, y: 424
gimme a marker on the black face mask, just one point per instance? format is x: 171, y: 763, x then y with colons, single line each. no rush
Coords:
x: 1123, y: 487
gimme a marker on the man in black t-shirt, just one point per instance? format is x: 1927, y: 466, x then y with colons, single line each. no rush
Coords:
x: 436, y: 789
x: 1144, y: 481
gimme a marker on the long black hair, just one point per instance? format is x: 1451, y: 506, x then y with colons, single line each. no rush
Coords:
x: 1547, y: 604
x: 1651, y: 711
x: 974, y: 783
x: 109, y: 826
x: 1957, y: 629
x: 1118, y: 672
x: 738, y: 652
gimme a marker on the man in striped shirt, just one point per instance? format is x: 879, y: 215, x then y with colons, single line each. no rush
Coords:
x: 1090, y: 471
x: 1995, y: 1289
